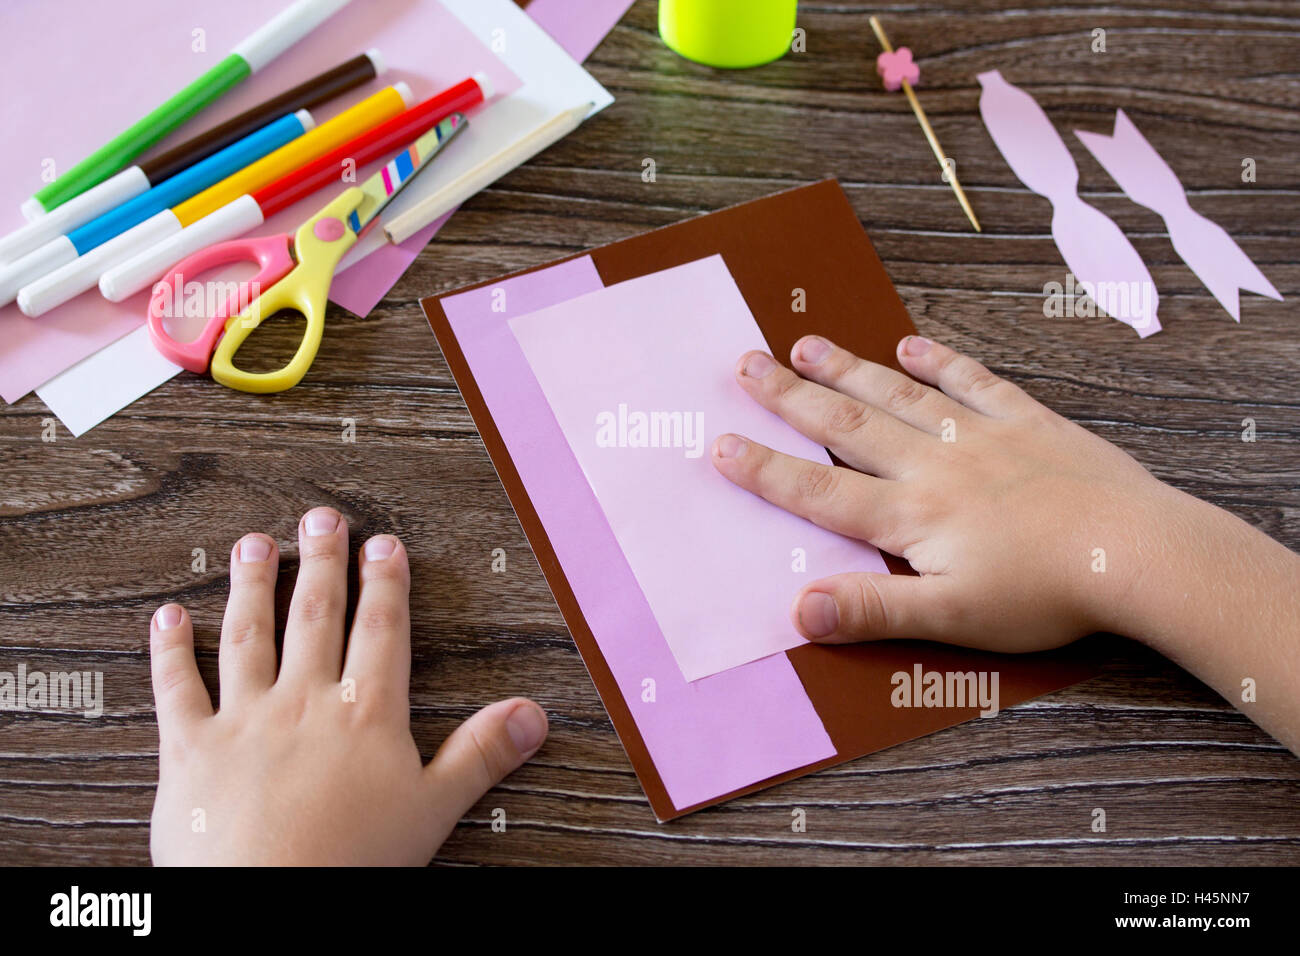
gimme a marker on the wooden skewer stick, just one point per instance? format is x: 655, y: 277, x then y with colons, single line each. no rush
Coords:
x: 950, y: 171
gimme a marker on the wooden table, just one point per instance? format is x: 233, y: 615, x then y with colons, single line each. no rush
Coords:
x: 98, y: 531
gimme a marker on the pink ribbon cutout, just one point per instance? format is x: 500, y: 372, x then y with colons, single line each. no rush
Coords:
x: 1202, y: 243
x: 1102, y: 259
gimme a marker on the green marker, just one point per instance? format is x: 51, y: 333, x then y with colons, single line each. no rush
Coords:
x: 728, y: 33
x: 255, y: 52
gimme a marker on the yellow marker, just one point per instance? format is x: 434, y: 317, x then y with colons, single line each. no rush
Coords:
x: 349, y: 124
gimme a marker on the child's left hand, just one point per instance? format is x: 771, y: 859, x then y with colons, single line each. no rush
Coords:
x: 313, y: 762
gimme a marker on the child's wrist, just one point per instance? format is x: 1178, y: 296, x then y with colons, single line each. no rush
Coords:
x: 1166, y: 538
x: 1188, y: 559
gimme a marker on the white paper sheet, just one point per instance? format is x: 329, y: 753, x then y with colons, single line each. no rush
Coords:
x: 106, y: 382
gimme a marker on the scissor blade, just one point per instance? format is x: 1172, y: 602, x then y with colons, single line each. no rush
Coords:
x: 392, y: 179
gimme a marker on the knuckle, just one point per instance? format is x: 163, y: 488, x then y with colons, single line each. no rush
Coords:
x: 976, y: 378
x: 381, y: 616
x: 238, y: 633
x: 786, y: 384
x: 843, y: 364
x: 817, y: 482
x: 170, y: 641
x: 395, y: 571
x: 846, y: 416
x: 314, y: 607
x: 290, y: 708
x: 765, y: 472
x: 904, y: 394
x: 323, y: 555
x: 871, y: 603
x: 946, y: 361
x: 492, y: 766
x: 169, y: 677
x: 262, y: 572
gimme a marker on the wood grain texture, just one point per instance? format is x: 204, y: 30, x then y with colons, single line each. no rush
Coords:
x: 96, y: 532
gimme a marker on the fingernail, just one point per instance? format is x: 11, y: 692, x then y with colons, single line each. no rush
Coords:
x: 526, y: 726
x: 379, y: 548
x: 321, y: 521
x: 915, y: 345
x: 813, y: 349
x: 730, y: 446
x: 254, y: 549
x: 758, y: 365
x: 818, y: 614
x: 167, y: 617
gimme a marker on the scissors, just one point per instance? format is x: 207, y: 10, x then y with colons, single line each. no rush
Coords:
x: 294, y: 274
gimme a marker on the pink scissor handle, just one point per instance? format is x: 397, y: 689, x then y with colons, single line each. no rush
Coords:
x: 274, y: 256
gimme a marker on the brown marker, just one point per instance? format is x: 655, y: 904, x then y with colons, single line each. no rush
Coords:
x: 317, y: 90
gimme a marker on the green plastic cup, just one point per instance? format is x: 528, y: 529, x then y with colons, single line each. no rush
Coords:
x: 732, y: 34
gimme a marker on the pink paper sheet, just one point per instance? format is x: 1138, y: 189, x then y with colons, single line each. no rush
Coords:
x: 717, y: 565
x: 706, y: 738
x: 578, y: 26
x: 70, y: 107
x: 360, y: 288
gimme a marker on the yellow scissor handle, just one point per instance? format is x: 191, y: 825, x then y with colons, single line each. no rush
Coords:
x: 319, y: 244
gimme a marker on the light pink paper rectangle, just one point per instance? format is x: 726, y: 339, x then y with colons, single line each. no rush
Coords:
x: 640, y: 377
x: 706, y: 738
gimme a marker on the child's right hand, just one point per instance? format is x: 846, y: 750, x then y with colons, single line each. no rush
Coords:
x: 999, y: 503
x: 1027, y: 530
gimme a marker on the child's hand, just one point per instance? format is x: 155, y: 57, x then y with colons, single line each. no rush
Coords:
x: 313, y: 762
x: 999, y: 503
x: 1028, y: 531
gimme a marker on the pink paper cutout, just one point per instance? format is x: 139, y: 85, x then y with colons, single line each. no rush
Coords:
x: 714, y: 562
x: 1095, y: 249
x: 1202, y: 243
x: 896, y: 67
x: 706, y: 738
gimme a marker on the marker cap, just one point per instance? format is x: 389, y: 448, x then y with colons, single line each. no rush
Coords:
x: 485, y: 84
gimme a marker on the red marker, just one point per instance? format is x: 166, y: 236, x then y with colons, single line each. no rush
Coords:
x: 378, y: 142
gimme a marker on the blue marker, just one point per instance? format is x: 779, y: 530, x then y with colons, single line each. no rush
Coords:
x: 168, y: 193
